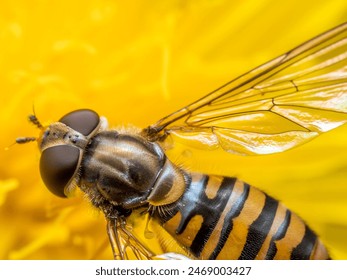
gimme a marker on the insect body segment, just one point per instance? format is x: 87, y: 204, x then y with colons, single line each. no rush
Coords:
x: 62, y: 145
x: 128, y: 171
x: 225, y: 218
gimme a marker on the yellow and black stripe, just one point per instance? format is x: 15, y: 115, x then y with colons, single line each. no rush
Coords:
x: 225, y: 218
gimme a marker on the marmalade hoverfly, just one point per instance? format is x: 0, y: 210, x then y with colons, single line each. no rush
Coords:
x: 126, y: 171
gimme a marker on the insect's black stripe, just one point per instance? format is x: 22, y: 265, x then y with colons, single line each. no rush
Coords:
x: 211, y: 210
x: 228, y: 221
x: 194, y: 202
x: 191, y: 200
x: 304, y: 249
x: 166, y: 212
x: 259, y: 229
x: 281, y: 232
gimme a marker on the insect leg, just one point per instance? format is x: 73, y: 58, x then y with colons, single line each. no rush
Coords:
x: 115, y: 242
x: 140, y: 251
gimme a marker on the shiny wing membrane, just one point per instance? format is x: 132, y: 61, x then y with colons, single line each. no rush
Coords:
x: 277, y: 106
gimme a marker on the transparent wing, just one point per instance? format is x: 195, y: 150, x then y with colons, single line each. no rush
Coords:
x: 277, y: 106
x: 125, y: 245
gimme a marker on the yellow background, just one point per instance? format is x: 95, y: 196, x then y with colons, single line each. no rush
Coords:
x: 134, y: 62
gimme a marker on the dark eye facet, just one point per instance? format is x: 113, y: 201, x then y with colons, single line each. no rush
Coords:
x: 84, y: 121
x: 57, y: 167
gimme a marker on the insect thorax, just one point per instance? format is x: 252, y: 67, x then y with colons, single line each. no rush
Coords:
x: 128, y: 171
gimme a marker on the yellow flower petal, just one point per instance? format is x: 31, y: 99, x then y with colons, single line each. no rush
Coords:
x: 135, y: 62
x: 5, y: 187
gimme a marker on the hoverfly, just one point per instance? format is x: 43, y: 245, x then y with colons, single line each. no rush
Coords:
x: 286, y: 102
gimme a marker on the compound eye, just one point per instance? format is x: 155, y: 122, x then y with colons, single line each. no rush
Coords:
x: 57, y: 167
x: 84, y: 121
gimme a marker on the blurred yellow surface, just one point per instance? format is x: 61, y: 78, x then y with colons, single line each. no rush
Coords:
x: 135, y: 62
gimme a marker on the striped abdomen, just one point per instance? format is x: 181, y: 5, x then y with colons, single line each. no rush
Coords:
x: 225, y: 218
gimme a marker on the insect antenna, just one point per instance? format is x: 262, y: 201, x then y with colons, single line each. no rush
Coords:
x: 21, y: 140
x: 34, y: 120
x: 24, y: 140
